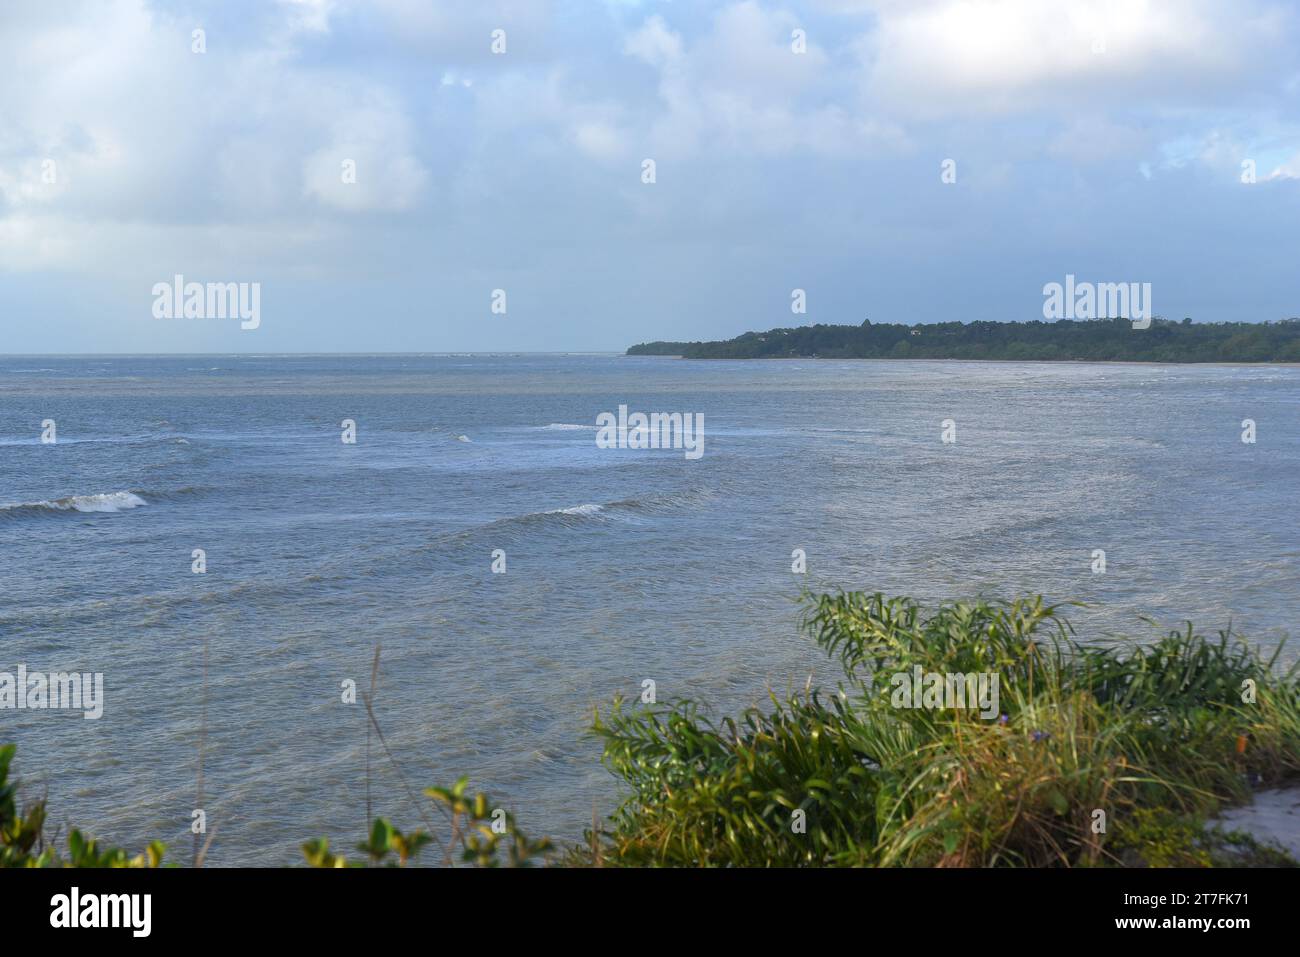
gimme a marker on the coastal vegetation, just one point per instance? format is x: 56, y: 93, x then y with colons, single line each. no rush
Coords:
x: 1094, y: 755
x: 1097, y: 340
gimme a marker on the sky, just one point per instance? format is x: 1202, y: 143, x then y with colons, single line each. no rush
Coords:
x: 897, y: 160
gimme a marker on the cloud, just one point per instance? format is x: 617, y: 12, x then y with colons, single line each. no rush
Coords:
x: 311, y: 15
x: 372, y: 140
x: 775, y: 168
x: 143, y: 132
x: 460, y: 31
x: 951, y: 56
x: 742, y: 86
x: 654, y: 43
x: 600, y: 140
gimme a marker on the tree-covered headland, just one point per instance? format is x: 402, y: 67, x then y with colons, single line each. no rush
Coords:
x: 1095, y: 340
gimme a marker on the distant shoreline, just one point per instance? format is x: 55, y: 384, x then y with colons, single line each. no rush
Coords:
x: 1154, y: 340
x: 1063, y: 362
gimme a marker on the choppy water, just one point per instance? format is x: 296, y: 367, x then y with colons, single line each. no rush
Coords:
x: 622, y: 565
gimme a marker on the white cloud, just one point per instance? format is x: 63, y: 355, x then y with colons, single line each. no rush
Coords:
x: 742, y: 87
x: 229, y: 163
x: 375, y: 138
x: 147, y: 136
x: 951, y: 56
x: 654, y: 43
x: 600, y: 140
x: 312, y: 15
x: 460, y: 30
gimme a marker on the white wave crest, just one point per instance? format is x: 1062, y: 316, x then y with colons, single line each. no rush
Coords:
x: 588, y: 509
x: 103, y: 502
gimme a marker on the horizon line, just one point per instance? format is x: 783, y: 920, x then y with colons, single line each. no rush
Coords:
x: 268, y: 354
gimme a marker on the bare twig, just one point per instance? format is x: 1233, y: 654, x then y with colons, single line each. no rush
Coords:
x: 196, y: 859
x: 410, y: 792
x: 374, y: 677
x: 203, y: 852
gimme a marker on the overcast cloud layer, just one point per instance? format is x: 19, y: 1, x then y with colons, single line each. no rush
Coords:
x: 1103, y: 139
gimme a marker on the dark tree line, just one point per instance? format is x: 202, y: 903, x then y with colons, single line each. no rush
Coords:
x: 1063, y: 339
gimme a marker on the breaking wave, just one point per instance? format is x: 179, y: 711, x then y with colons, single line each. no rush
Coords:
x: 588, y: 509
x: 103, y: 502
x: 628, y: 509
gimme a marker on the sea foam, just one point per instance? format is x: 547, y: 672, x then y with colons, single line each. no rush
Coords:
x: 103, y: 502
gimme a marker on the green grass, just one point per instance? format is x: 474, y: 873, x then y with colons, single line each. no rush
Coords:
x: 1098, y: 756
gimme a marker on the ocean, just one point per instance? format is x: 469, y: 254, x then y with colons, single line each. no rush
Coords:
x: 620, y: 565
